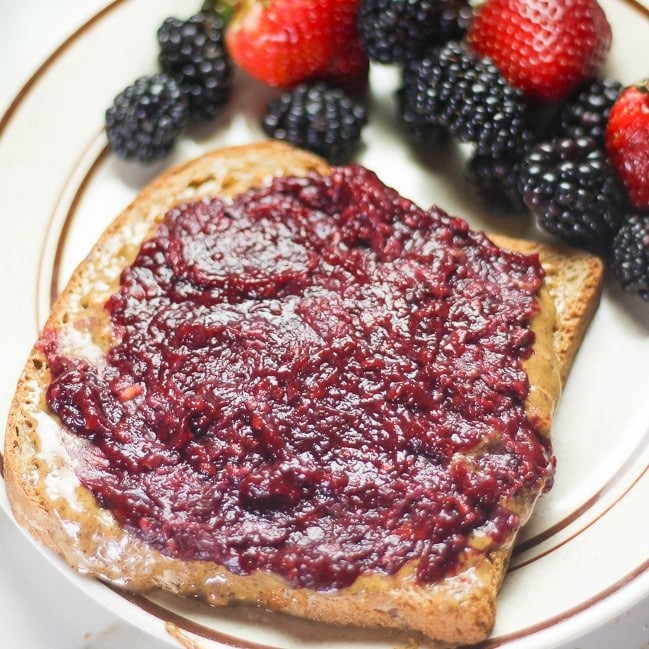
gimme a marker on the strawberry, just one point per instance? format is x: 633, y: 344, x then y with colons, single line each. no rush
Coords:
x: 348, y: 64
x: 543, y: 47
x: 284, y: 42
x: 627, y: 141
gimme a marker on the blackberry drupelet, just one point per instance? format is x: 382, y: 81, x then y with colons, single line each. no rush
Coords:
x: 495, y: 181
x: 454, y: 89
x: 585, y: 112
x: 193, y: 52
x: 317, y: 117
x: 145, y: 119
x: 570, y: 186
x: 630, y: 255
x: 395, y: 31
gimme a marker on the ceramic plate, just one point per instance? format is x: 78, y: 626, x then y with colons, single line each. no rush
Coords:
x: 581, y: 561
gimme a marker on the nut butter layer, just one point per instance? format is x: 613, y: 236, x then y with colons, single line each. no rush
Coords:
x: 44, y: 460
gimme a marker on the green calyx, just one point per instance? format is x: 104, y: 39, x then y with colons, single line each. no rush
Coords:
x: 224, y: 8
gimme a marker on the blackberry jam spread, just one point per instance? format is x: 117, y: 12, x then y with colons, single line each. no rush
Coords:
x: 317, y: 379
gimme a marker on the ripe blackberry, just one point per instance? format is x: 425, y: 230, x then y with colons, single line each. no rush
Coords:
x: 418, y: 128
x: 454, y: 89
x: 395, y: 31
x: 585, y: 112
x: 317, y: 117
x: 630, y: 255
x: 145, y: 119
x: 495, y: 181
x: 569, y: 184
x: 193, y: 52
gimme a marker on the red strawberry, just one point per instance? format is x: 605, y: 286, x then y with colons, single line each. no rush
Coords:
x: 544, y: 47
x: 348, y: 64
x: 627, y: 141
x: 284, y: 42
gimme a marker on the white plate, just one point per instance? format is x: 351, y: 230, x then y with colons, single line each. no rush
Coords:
x: 584, y: 558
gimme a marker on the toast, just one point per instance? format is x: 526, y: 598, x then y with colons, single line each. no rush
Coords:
x: 48, y: 499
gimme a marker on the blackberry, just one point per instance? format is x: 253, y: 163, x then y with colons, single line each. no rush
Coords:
x: 145, y: 119
x: 193, y: 52
x: 465, y: 94
x: 585, y: 112
x: 630, y: 255
x: 317, y: 117
x: 395, y: 31
x: 419, y: 128
x: 570, y: 186
x: 495, y: 181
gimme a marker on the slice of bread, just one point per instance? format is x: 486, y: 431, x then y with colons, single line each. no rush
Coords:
x: 48, y: 499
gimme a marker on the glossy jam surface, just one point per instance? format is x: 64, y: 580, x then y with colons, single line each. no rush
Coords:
x: 318, y: 379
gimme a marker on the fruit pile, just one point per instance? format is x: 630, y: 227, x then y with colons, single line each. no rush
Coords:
x: 520, y: 82
x: 311, y: 48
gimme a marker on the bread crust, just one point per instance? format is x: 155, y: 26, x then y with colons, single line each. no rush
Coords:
x: 574, y: 280
x: 49, y: 501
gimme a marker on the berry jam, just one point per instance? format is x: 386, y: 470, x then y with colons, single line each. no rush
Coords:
x: 318, y: 379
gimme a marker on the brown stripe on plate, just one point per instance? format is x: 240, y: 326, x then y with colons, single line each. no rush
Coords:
x: 55, y: 271
x: 40, y: 71
x: 500, y: 641
x: 537, y: 539
x: 585, y: 527
x: 639, y: 6
x: 169, y: 617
